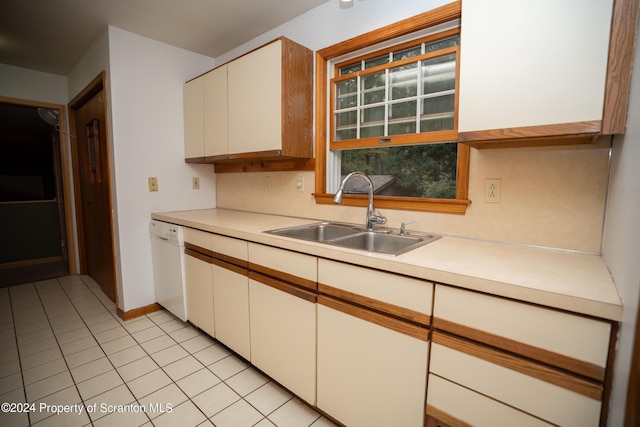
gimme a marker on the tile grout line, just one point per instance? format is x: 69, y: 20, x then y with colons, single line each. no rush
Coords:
x: 15, y: 336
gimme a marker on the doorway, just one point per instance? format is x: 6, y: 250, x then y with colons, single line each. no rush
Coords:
x: 34, y: 192
x: 92, y: 183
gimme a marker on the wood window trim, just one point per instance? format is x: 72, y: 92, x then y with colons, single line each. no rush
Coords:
x: 419, y: 22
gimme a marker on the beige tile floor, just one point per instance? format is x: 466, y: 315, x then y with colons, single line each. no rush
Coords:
x: 63, y: 348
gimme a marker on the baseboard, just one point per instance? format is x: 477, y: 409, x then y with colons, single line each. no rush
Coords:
x: 137, y: 312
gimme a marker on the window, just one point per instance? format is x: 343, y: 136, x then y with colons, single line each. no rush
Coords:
x: 391, y: 113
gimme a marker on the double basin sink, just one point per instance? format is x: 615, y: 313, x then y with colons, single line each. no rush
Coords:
x: 382, y: 240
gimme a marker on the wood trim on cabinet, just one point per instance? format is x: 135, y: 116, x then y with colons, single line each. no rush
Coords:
x: 373, y: 304
x: 557, y: 360
x: 284, y: 287
x: 210, y: 256
x: 228, y: 259
x: 553, y: 134
x: 196, y: 248
x: 586, y: 388
x: 410, y: 329
x: 231, y: 267
x: 439, y: 418
x: 281, y: 165
x: 198, y: 255
x: 290, y: 278
x: 619, y: 66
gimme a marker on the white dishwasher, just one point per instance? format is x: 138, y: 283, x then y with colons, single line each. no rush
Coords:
x: 167, y: 252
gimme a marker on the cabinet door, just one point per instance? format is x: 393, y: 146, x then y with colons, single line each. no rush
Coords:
x: 443, y: 404
x: 231, y: 309
x: 216, y: 134
x: 283, y: 338
x: 194, y: 119
x: 532, y: 63
x: 255, y: 101
x: 199, y: 287
x: 369, y: 375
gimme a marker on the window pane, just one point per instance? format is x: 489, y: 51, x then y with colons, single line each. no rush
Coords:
x: 437, y: 113
x: 439, y: 74
x: 402, y: 118
x: 350, y: 69
x: 372, y: 122
x: 370, y: 63
x: 404, y: 81
x: 407, y: 53
x: 427, y: 170
x: 441, y: 44
x: 346, y: 125
x: 346, y: 94
x: 373, y: 88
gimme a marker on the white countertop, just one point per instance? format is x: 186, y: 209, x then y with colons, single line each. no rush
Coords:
x: 575, y: 282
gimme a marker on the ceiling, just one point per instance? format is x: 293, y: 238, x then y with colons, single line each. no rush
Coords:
x: 52, y: 36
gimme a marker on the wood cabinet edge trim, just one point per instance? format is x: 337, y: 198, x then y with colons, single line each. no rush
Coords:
x: 442, y: 416
x: 384, y: 308
x: 397, y: 325
x: 557, y: 360
x: 284, y: 287
x: 532, y: 369
x: 285, y: 277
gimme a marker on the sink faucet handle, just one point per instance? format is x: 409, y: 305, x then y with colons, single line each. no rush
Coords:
x: 403, y: 226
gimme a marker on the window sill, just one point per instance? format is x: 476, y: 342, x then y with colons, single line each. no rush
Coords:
x: 449, y: 206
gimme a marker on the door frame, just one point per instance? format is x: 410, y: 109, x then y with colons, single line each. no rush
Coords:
x: 64, y: 137
x: 95, y: 86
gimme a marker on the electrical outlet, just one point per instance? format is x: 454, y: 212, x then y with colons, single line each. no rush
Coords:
x: 267, y: 183
x: 153, y: 184
x: 195, y: 183
x: 492, y: 190
x: 300, y: 184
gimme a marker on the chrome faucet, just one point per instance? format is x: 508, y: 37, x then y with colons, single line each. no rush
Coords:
x: 372, y: 217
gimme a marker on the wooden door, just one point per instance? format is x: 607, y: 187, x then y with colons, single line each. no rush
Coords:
x: 93, y: 187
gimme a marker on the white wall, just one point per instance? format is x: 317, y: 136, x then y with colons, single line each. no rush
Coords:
x: 22, y: 83
x: 622, y: 240
x: 146, y: 80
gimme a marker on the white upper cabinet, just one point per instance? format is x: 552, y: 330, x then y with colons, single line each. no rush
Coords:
x: 257, y: 107
x: 216, y: 130
x: 255, y: 88
x: 531, y: 69
x: 194, y: 119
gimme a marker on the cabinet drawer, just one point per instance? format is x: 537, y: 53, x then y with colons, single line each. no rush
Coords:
x: 549, y: 394
x: 293, y: 267
x: 443, y: 403
x: 572, y: 342
x: 412, y: 294
x: 229, y: 248
x: 197, y: 237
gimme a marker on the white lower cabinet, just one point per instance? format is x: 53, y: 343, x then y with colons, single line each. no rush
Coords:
x: 283, y: 336
x: 372, y: 345
x: 199, y: 289
x: 450, y: 403
x: 231, y: 309
x: 369, y: 375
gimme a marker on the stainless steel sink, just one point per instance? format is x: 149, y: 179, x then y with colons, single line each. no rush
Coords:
x: 383, y: 240
x: 318, y: 232
x: 392, y: 244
